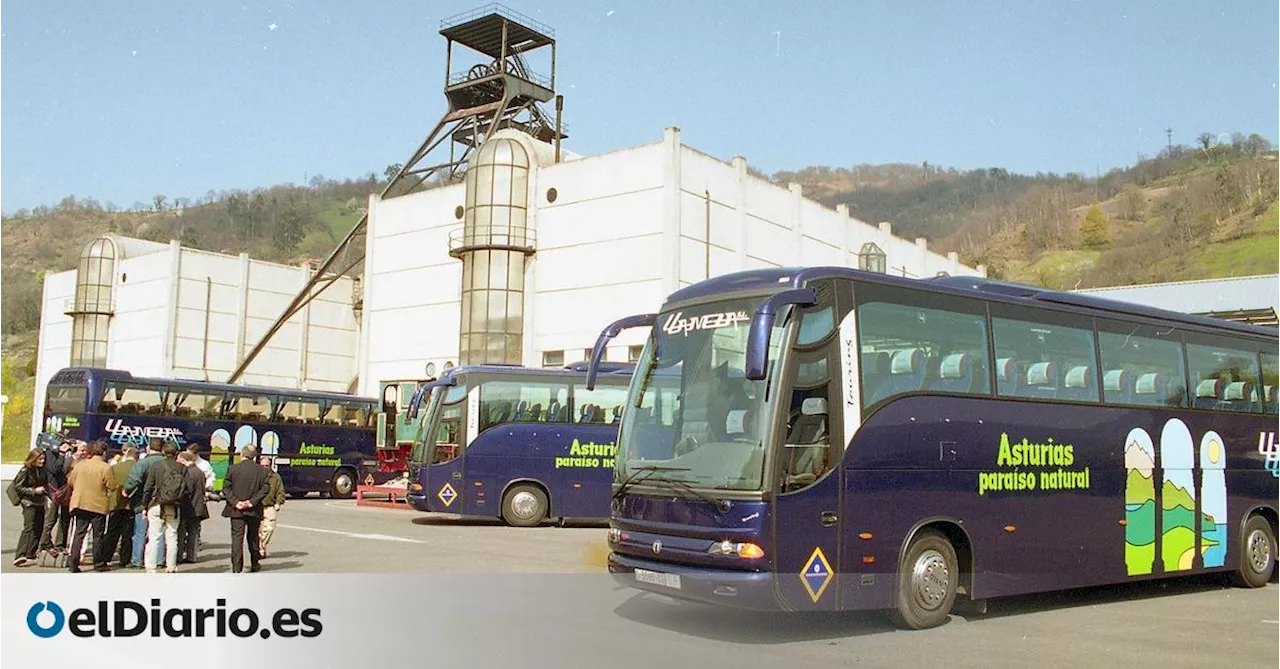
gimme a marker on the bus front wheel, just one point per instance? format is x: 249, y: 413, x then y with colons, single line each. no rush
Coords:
x: 927, y: 579
x: 524, y: 506
x: 343, y: 484
x: 1257, y: 554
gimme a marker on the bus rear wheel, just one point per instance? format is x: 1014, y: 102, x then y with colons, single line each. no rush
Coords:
x: 343, y: 484
x: 524, y: 506
x: 1257, y: 554
x: 927, y: 580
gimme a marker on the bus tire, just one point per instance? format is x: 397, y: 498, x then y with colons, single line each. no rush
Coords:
x: 524, y: 506
x: 343, y: 485
x: 1257, y: 554
x: 927, y: 580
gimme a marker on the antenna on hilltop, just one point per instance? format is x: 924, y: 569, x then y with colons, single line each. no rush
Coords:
x: 1169, y: 133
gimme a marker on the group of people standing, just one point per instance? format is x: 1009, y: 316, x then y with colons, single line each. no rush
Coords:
x: 148, y: 511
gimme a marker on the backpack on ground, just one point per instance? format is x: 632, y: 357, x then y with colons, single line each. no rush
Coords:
x: 169, y: 478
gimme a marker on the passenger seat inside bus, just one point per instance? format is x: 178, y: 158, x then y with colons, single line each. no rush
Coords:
x: 1117, y: 387
x: 906, y: 371
x: 1149, y: 390
x: 954, y: 375
x: 875, y: 373
x: 1007, y: 376
x: 1042, y: 379
x: 1208, y: 394
x: 1267, y: 402
x: 808, y: 443
x: 1079, y: 385
x: 1238, y: 396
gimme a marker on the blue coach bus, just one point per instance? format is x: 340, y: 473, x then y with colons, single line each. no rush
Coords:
x: 908, y: 442
x: 320, y: 442
x: 516, y: 443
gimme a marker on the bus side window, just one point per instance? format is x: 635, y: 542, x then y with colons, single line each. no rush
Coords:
x: 249, y: 408
x: 140, y: 400
x: 193, y: 404
x: 602, y: 405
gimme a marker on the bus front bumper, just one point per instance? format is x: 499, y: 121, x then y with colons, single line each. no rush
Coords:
x: 417, y: 501
x: 720, y: 587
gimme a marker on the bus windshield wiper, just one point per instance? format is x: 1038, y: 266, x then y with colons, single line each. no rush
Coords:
x: 720, y: 504
x: 641, y: 474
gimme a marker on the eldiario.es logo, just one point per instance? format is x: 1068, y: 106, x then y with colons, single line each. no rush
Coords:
x: 125, y: 618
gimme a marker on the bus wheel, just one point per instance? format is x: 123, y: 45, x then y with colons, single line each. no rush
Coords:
x: 927, y: 581
x: 1257, y: 554
x: 524, y: 506
x: 343, y: 484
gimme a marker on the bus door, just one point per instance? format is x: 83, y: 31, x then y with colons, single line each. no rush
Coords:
x: 454, y: 426
x: 807, y: 475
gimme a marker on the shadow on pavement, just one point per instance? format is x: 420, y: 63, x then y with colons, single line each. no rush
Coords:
x: 749, y: 627
x: 1107, y: 594
x: 467, y: 521
x: 766, y: 628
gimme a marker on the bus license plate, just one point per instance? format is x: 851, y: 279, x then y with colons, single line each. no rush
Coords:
x: 657, y: 578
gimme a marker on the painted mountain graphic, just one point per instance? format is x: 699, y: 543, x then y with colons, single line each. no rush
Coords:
x: 1139, y: 489
x: 1137, y: 459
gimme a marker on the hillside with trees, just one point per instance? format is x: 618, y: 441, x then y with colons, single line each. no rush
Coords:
x: 1205, y: 211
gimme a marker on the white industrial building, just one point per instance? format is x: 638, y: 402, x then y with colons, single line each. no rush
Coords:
x: 162, y: 310
x: 564, y: 248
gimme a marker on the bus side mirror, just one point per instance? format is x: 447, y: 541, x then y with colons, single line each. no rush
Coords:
x: 608, y: 334
x: 762, y: 326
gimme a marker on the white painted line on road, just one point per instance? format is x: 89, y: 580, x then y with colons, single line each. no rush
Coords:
x: 1273, y: 622
x: 353, y: 535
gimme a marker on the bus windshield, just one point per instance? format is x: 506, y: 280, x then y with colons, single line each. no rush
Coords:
x: 690, y: 406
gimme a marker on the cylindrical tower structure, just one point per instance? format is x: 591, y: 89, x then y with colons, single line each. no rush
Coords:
x: 93, y: 307
x: 494, y: 244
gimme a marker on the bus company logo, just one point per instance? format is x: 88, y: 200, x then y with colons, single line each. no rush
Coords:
x: 677, y: 325
x: 134, y: 435
x: 1270, y: 450
x: 125, y: 618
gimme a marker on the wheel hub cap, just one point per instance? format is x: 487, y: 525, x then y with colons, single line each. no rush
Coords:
x: 1259, y: 551
x: 930, y: 579
x: 524, y: 504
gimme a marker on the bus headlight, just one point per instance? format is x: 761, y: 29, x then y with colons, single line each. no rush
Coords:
x: 728, y: 548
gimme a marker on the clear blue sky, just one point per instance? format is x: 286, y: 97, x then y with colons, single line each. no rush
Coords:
x: 121, y: 101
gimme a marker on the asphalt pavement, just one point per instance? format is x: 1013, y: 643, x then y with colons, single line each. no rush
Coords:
x: 561, y: 611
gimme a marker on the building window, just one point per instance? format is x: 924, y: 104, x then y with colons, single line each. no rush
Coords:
x: 553, y: 358
x: 633, y: 353
x: 871, y: 258
x: 586, y: 354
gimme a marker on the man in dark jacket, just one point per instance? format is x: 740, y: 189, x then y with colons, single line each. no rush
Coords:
x: 162, y: 514
x: 58, y: 459
x: 133, y: 490
x: 244, y: 489
x: 192, y: 511
x: 120, y: 516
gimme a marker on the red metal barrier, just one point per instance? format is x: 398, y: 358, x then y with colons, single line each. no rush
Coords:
x: 395, y: 497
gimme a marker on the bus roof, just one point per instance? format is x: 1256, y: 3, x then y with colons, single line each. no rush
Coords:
x: 79, y: 376
x: 784, y: 278
x: 574, y: 370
